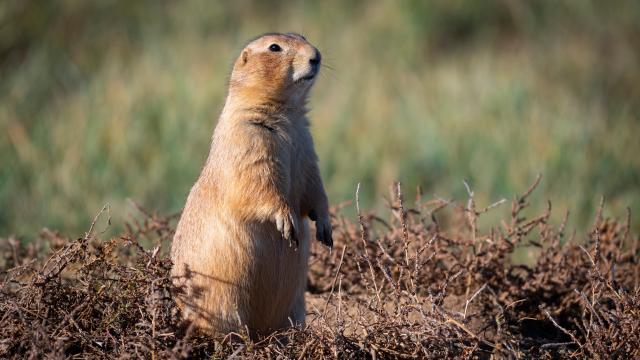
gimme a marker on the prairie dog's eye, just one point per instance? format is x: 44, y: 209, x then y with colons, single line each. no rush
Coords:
x: 275, y: 48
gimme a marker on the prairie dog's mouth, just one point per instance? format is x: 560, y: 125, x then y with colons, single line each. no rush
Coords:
x: 309, y: 77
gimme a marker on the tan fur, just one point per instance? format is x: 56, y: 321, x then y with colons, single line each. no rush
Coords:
x: 235, y: 249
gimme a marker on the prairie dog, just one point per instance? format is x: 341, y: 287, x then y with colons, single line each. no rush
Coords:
x: 242, y: 243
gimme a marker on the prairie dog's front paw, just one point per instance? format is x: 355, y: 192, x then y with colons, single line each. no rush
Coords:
x: 285, y: 223
x: 323, y: 231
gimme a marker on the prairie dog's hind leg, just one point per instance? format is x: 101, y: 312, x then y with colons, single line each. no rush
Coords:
x: 298, y: 311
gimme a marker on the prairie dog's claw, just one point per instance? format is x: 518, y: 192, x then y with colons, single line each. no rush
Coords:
x: 324, y: 232
x: 285, y: 223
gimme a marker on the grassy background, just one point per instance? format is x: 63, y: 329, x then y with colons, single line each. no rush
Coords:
x: 102, y: 101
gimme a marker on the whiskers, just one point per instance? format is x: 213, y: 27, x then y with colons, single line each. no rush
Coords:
x: 330, y: 71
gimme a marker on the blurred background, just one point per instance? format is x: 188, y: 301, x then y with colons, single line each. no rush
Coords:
x: 101, y: 101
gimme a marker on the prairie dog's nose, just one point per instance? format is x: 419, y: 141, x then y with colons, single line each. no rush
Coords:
x: 315, y: 60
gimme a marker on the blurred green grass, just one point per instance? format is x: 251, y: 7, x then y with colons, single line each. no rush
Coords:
x: 107, y: 100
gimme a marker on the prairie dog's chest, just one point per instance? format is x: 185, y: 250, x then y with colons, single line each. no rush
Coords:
x: 258, y: 146
x: 301, y: 145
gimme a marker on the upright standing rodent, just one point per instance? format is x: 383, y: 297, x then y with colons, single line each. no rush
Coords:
x: 242, y: 244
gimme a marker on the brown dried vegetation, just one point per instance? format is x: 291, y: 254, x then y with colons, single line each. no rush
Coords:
x: 425, y: 283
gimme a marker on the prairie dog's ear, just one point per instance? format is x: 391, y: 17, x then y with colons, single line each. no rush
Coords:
x: 244, y: 56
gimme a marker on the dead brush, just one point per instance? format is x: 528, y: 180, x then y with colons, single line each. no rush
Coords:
x: 410, y: 286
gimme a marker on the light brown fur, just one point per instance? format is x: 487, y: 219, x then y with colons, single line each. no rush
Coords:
x: 242, y: 244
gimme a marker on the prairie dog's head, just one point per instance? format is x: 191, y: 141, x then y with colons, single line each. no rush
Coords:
x: 276, y: 67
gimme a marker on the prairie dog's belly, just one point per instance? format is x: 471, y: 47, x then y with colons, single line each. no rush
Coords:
x: 250, y: 273
x: 277, y: 273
